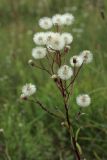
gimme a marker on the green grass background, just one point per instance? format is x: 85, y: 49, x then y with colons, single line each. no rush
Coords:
x: 29, y: 133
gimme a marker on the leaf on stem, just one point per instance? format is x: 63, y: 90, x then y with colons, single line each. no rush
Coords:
x: 79, y: 148
x: 77, y: 133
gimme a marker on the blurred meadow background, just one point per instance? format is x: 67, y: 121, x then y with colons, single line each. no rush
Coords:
x: 26, y: 132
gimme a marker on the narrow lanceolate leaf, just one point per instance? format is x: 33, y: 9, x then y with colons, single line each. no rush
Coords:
x: 77, y: 133
x: 96, y: 155
x: 79, y: 148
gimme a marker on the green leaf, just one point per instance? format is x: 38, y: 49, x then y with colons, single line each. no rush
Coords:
x: 96, y: 155
x: 77, y: 133
x: 79, y: 148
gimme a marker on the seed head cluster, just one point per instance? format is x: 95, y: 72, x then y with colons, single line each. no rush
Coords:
x: 56, y: 45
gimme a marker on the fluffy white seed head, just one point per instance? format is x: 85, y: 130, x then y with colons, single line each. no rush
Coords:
x: 40, y: 38
x: 28, y: 90
x: 57, y: 19
x: 49, y: 36
x: 67, y: 37
x: 45, y: 23
x: 76, y: 61
x: 83, y: 100
x: 39, y: 52
x: 55, y: 42
x: 87, y: 56
x: 65, y: 72
x: 68, y: 19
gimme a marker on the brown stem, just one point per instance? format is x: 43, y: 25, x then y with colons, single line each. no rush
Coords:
x: 75, y: 76
x: 49, y: 63
x: 58, y: 58
x: 57, y: 28
x: 71, y: 134
x: 46, y: 110
x: 76, y: 150
x: 53, y: 63
x: 42, y: 69
x: 69, y: 127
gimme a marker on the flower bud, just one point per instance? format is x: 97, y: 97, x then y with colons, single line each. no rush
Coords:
x: 31, y: 62
x: 1, y: 130
x: 54, y: 77
x: 23, y: 97
x: 67, y: 48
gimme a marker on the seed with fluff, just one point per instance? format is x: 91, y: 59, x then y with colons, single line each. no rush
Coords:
x: 65, y: 72
x: 39, y: 52
x: 87, y: 56
x: 76, y: 61
x: 83, y: 100
x: 45, y: 23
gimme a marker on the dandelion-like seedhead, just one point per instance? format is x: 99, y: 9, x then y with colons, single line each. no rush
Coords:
x: 65, y: 72
x: 56, y: 42
x: 39, y: 38
x: 76, y: 61
x: 39, y: 52
x: 28, y: 90
x: 68, y: 19
x: 83, y: 100
x: 67, y: 37
x: 45, y: 23
x: 87, y: 56
x: 57, y: 19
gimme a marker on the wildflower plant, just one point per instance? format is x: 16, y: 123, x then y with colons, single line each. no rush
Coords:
x: 54, y: 48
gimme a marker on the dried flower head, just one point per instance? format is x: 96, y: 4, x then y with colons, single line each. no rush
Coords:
x: 67, y: 37
x: 87, y: 56
x: 83, y: 100
x: 39, y: 52
x: 68, y: 19
x: 55, y: 42
x: 57, y: 19
x: 45, y: 23
x: 28, y: 90
x: 49, y: 35
x: 65, y: 72
x: 76, y: 61
x: 40, y: 38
